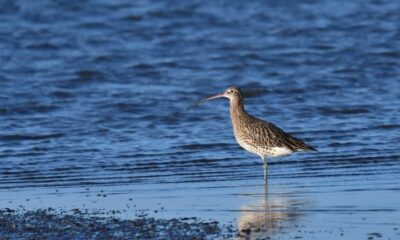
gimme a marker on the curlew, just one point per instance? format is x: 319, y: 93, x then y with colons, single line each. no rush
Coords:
x: 257, y: 136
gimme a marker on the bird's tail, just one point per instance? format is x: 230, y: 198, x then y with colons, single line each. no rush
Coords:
x: 310, y: 148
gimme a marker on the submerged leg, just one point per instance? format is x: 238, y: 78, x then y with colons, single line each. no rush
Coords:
x: 265, y: 169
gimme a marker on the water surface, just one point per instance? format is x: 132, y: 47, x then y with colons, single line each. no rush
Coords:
x: 94, y: 98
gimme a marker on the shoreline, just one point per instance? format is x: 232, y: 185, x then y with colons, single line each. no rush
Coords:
x: 52, y: 224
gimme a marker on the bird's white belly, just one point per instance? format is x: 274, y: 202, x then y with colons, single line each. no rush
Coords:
x: 279, y: 151
x: 263, y: 151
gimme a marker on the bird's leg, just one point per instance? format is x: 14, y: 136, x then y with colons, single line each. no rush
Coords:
x: 265, y: 169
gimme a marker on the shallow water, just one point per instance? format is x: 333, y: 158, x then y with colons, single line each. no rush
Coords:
x: 94, y: 98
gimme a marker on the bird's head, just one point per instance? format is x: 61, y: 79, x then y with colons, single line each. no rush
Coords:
x: 233, y: 93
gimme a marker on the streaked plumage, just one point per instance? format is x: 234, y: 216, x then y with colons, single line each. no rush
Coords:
x: 257, y: 136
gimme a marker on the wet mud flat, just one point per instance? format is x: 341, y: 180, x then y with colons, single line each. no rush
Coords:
x: 80, y: 224
x: 51, y: 224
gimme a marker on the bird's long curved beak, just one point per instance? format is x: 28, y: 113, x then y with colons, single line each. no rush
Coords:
x: 198, y: 103
x: 215, y: 96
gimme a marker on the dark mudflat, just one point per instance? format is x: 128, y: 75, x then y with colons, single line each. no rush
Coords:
x: 49, y: 224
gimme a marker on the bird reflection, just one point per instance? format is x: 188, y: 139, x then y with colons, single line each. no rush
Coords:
x: 270, y: 216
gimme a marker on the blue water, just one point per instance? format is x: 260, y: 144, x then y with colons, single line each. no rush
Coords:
x: 94, y: 98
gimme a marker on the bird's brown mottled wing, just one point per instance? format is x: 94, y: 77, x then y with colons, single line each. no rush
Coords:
x: 267, y: 134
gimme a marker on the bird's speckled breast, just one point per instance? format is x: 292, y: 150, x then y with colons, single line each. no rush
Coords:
x: 262, y: 151
x: 243, y: 137
x: 241, y: 123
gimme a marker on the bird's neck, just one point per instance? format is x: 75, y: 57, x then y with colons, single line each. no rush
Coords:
x: 237, y: 110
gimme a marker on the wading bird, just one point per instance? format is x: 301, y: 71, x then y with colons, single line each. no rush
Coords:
x: 257, y: 136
